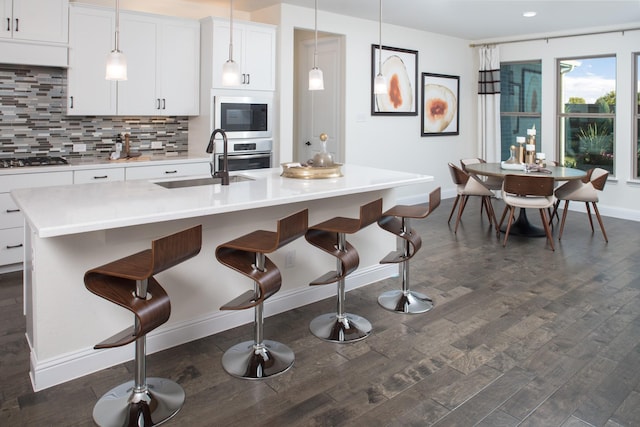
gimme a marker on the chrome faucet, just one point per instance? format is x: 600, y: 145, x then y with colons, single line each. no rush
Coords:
x: 224, y: 173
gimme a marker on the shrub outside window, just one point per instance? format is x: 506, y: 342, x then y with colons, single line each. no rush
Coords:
x: 586, y: 114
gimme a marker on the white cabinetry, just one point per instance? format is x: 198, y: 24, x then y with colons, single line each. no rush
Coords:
x: 98, y: 175
x: 35, y: 20
x: 163, y: 65
x: 91, y: 38
x: 254, y: 48
x: 34, y: 32
x: 168, y: 170
x: 11, y: 220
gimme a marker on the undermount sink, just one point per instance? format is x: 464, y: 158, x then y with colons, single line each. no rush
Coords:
x: 201, y: 181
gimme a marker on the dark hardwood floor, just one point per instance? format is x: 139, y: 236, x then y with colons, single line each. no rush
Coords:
x: 519, y: 336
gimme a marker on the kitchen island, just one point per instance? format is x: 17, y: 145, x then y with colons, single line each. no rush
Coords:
x: 73, y: 228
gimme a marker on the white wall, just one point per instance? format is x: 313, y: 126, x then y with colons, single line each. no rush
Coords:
x: 621, y: 196
x: 382, y: 141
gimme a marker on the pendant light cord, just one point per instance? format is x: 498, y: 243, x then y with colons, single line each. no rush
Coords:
x: 231, y: 33
x: 315, y: 49
x: 380, y: 40
x: 117, y: 32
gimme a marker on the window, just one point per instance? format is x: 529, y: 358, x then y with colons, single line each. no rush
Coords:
x: 520, y: 101
x: 586, y: 114
x: 636, y: 115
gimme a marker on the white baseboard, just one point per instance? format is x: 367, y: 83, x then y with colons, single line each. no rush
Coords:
x: 50, y: 372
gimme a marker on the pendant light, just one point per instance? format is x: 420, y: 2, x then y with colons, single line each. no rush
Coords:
x: 316, y: 81
x: 380, y: 83
x: 116, y: 61
x: 231, y: 69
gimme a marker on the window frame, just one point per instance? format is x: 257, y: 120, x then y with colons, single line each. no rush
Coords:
x: 561, y: 115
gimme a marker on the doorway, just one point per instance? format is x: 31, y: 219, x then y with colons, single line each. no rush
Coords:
x: 319, y: 112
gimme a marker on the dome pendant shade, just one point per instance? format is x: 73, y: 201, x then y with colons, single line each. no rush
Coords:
x: 380, y: 84
x: 231, y: 73
x: 316, y: 80
x: 116, y: 66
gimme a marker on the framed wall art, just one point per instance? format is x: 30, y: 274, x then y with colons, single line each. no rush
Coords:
x: 400, y: 68
x: 440, y: 100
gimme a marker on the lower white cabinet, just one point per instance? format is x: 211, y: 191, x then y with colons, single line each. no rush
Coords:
x: 168, y: 170
x: 11, y: 220
x: 98, y: 175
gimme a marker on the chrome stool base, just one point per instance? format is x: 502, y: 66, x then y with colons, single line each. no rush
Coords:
x: 160, y: 402
x: 405, y: 302
x: 346, y: 328
x: 250, y: 361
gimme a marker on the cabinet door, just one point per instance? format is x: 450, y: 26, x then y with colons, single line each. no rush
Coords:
x: 221, y: 50
x: 253, y: 49
x: 91, y: 38
x: 137, y: 95
x: 41, y: 20
x: 258, y: 66
x: 6, y: 25
x: 179, y: 68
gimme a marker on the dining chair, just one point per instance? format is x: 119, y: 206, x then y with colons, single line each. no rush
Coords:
x: 584, y: 190
x: 493, y: 182
x: 470, y: 185
x: 527, y: 191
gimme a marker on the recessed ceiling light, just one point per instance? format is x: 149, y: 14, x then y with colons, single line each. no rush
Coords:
x: 529, y: 14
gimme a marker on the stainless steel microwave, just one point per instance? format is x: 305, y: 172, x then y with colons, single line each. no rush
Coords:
x: 243, y: 116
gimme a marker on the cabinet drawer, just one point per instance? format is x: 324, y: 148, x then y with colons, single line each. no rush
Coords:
x: 39, y: 179
x: 167, y: 171
x: 11, y: 245
x: 98, y: 175
x: 10, y: 215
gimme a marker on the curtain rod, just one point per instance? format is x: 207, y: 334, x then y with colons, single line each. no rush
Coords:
x: 622, y: 30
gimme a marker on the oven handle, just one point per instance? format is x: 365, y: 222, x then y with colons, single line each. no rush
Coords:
x: 247, y: 156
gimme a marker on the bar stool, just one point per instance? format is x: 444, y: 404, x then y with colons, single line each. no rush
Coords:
x: 397, y: 221
x: 259, y: 358
x: 129, y: 283
x: 330, y: 236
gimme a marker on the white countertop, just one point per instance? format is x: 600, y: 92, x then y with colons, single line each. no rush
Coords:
x: 63, y: 210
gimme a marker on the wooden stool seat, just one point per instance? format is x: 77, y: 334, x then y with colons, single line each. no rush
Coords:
x: 259, y: 358
x: 396, y: 221
x: 329, y: 236
x: 129, y: 283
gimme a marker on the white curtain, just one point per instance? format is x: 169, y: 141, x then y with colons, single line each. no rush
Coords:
x: 489, y: 104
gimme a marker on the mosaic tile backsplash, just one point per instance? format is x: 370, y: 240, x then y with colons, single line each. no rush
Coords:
x: 33, y: 121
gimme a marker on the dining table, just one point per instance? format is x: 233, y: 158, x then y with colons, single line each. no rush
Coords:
x: 522, y: 226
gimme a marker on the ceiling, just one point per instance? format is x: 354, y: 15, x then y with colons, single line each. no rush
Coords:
x: 480, y: 20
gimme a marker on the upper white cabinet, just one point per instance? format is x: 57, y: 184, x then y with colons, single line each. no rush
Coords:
x: 163, y: 59
x: 162, y: 64
x: 254, y: 48
x: 35, y: 20
x: 91, y: 38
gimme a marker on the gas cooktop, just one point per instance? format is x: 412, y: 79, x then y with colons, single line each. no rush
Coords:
x: 18, y: 162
